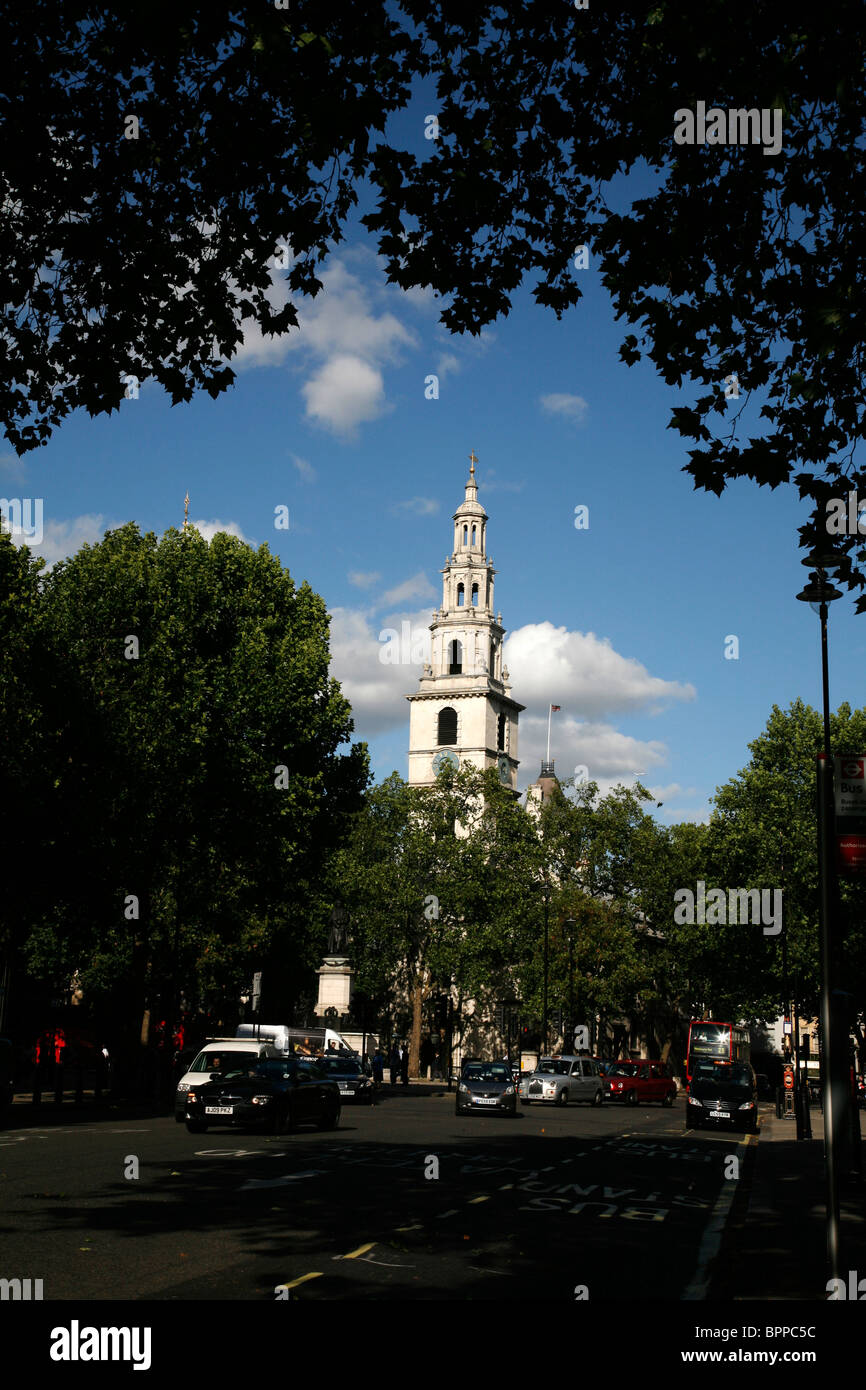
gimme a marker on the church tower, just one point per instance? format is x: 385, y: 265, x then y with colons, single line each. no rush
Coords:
x: 462, y: 711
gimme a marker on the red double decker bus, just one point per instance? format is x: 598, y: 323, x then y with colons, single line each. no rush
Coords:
x: 711, y: 1041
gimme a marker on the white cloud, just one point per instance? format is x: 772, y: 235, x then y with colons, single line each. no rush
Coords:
x: 343, y: 332
x: 583, y: 674
x: 13, y: 468
x: 418, y: 586
x: 61, y: 539
x: 489, y: 482
x: 608, y: 755
x: 417, y: 506
x: 364, y: 579
x: 377, y: 691
x: 341, y: 319
x: 344, y: 393
x: 304, y: 468
x: 208, y: 529
x: 574, y: 408
x: 447, y: 364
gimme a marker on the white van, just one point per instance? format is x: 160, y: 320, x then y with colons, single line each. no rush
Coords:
x: 286, y: 1038
x: 222, y: 1055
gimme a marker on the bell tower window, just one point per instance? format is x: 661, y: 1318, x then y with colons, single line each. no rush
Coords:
x: 474, y: 595
x: 465, y: 535
x: 446, y: 732
x: 455, y: 658
x: 474, y: 535
x: 500, y: 733
x: 461, y: 596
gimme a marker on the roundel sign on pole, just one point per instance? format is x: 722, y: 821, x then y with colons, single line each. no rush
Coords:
x: 789, y: 1079
x: 850, y: 786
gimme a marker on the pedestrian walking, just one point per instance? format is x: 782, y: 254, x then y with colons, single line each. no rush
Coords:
x: 378, y: 1066
x: 395, y: 1063
x: 404, y: 1065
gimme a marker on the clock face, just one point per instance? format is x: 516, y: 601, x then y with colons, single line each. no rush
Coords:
x: 504, y: 769
x: 446, y: 758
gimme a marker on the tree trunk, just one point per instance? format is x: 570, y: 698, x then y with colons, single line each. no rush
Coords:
x: 415, y: 1036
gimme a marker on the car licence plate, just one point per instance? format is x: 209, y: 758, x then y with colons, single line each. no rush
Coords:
x: 346, y: 1091
x: 482, y: 1100
x: 720, y: 1114
x: 219, y: 1110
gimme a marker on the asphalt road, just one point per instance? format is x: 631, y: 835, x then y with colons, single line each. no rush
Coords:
x: 403, y: 1201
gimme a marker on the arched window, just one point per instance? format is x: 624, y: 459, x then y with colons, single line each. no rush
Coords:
x: 465, y: 534
x: 461, y: 596
x: 500, y: 733
x: 474, y: 534
x: 447, y: 729
x: 492, y: 657
x: 455, y: 658
x: 475, y: 595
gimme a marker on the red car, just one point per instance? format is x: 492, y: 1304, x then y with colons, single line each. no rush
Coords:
x: 632, y: 1082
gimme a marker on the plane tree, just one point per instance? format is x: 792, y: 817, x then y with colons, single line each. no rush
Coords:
x: 192, y: 777
x: 155, y: 159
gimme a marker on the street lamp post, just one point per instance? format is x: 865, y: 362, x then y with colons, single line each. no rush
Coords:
x: 818, y: 594
x: 546, y: 893
x: 570, y: 923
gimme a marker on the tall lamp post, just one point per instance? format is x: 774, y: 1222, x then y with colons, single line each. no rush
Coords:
x: 818, y: 593
x: 570, y: 924
x: 545, y: 890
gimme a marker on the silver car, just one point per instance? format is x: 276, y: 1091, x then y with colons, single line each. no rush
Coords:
x: 561, y: 1079
x: 487, y: 1086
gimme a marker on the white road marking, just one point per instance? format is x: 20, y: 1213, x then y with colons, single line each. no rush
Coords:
x: 712, y: 1239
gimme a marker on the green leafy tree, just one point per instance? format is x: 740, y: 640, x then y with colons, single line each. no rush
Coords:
x: 142, y: 248
x: 603, y: 854
x: 191, y: 742
x: 439, y: 884
x: 763, y: 834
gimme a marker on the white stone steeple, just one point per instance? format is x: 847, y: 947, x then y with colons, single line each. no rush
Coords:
x: 463, y: 706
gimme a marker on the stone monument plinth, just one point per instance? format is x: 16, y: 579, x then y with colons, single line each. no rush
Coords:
x: 335, y: 985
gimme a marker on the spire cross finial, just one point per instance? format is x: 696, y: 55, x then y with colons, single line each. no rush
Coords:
x: 472, y: 462
x: 186, y: 512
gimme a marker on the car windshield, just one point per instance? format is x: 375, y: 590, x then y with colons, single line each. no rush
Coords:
x: 487, y: 1071
x: 225, y: 1062
x: 346, y: 1066
x: 553, y: 1067
x: 730, y: 1073
x: 622, y: 1069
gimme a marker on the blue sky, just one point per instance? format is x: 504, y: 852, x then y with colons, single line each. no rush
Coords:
x: 622, y: 624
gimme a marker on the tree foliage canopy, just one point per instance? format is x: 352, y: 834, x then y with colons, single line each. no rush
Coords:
x: 185, y: 752
x: 556, y: 127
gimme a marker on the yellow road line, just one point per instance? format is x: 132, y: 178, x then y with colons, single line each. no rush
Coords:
x: 474, y: 1200
x: 295, y: 1282
x: 353, y: 1254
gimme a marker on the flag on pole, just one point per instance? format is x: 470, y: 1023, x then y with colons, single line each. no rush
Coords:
x: 554, y: 707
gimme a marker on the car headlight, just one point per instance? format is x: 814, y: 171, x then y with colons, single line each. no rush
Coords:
x: 261, y: 1100
x: 693, y: 1101
x: 509, y: 1091
x: 748, y: 1105
x: 463, y: 1087
x: 183, y: 1086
